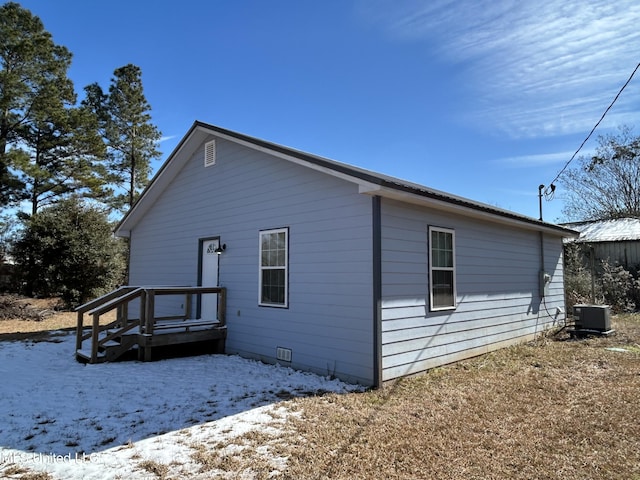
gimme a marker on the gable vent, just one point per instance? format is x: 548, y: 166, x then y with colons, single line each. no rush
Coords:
x: 210, y: 153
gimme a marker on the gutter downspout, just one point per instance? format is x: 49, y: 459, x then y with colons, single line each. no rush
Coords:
x: 542, y: 270
x: 541, y: 274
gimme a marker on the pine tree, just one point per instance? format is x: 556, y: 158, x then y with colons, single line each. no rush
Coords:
x: 130, y: 136
x: 32, y: 70
x: 61, y: 154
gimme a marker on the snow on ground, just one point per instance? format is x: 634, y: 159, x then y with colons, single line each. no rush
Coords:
x: 113, y: 420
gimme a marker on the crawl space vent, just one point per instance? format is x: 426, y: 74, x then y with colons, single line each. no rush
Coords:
x: 210, y: 153
x: 283, y: 354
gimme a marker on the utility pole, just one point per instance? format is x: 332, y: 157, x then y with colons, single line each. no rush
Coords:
x: 540, y: 188
x: 551, y: 187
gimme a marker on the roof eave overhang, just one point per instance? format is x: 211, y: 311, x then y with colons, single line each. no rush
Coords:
x: 181, y: 153
x: 368, y: 183
x: 461, y: 207
x: 372, y: 185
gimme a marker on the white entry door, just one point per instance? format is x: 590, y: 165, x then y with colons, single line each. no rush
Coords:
x: 209, y: 278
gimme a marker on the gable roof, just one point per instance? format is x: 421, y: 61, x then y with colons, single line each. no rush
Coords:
x: 613, y: 230
x: 368, y: 182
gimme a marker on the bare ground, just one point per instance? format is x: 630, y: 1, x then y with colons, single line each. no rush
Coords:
x: 556, y: 408
x: 22, y: 317
x: 14, y: 307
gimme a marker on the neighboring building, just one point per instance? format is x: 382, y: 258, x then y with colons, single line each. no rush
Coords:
x: 615, y: 241
x: 338, y: 270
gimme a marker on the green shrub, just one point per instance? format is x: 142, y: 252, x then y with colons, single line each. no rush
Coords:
x: 620, y: 287
x: 613, y: 285
x: 69, y: 250
x: 577, y: 279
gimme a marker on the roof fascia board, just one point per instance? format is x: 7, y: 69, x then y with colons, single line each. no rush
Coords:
x: 319, y: 167
x: 446, y: 206
x: 157, y: 182
x: 160, y: 180
x: 376, y: 188
x: 368, y: 183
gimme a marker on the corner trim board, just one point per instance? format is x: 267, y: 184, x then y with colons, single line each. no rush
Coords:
x: 377, y: 289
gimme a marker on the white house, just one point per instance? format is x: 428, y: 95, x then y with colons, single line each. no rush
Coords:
x: 338, y: 270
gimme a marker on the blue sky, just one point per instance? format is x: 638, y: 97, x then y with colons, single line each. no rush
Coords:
x: 485, y: 99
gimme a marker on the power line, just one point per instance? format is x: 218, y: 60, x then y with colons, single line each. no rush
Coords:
x: 593, y: 129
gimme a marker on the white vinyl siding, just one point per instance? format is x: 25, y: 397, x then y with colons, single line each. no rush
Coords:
x: 442, y: 270
x: 327, y: 324
x: 274, y: 278
x: 497, y: 289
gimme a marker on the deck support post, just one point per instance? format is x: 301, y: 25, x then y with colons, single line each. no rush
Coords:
x: 150, y: 314
x: 147, y: 354
x: 95, y: 330
x: 222, y: 306
x: 187, y: 305
x: 143, y: 309
x: 79, y: 330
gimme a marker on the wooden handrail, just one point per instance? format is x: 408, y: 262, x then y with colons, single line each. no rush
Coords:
x: 120, y: 298
x: 179, y: 290
x: 116, y: 302
x: 102, y: 305
x: 104, y: 298
x: 113, y: 335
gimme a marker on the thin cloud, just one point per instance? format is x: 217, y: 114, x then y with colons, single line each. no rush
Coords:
x: 167, y: 138
x: 536, y: 68
x: 526, y: 161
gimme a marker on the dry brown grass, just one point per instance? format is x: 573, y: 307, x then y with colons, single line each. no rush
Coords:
x: 50, y: 319
x: 549, y: 409
x: 20, y: 473
x: 158, y: 469
x: 552, y: 409
x: 256, y: 455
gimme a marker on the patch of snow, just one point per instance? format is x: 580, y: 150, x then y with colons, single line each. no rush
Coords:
x: 103, y: 421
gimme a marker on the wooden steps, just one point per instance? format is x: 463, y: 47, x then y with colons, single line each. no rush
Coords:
x: 110, y: 350
x: 84, y: 355
x: 110, y: 342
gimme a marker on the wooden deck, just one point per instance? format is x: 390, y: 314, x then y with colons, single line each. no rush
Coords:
x: 145, y: 331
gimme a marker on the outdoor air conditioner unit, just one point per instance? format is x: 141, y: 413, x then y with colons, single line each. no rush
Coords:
x: 592, y: 317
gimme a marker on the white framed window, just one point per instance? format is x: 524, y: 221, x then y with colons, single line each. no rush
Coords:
x: 274, y: 268
x: 442, y: 268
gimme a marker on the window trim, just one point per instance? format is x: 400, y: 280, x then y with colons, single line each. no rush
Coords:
x: 261, y: 268
x: 446, y: 269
